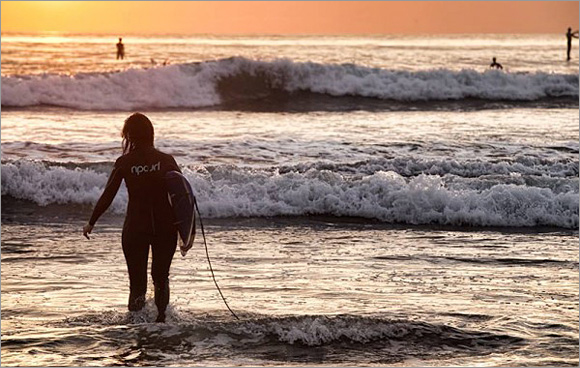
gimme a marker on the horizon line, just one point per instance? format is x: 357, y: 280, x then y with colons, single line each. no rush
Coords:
x: 249, y: 34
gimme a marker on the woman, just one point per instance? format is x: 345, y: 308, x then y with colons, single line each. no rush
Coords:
x: 149, y: 220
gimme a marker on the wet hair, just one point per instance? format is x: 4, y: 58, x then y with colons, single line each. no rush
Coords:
x: 137, y: 132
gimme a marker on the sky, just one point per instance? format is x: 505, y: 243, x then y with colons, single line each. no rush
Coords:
x: 289, y: 17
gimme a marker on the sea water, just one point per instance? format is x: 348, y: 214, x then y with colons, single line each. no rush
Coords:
x: 383, y: 200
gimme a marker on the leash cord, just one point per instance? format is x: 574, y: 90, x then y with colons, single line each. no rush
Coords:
x: 209, y: 262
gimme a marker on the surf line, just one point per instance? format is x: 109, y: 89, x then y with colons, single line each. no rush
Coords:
x: 209, y: 261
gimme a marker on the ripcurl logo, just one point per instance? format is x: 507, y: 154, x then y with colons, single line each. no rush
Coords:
x: 138, y: 170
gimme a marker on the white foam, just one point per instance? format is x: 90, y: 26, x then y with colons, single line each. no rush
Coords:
x: 44, y: 185
x: 196, y: 85
x: 166, y: 87
x: 323, y: 330
x: 385, y: 196
x: 412, y: 166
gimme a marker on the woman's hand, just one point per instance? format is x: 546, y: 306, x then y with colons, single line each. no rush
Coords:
x: 87, y: 230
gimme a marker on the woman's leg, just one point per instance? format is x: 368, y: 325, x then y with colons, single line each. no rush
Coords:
x: 163, y: 248
x: 136, y: 250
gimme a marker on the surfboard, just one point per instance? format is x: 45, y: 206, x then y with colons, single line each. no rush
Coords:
x: 183, y: 203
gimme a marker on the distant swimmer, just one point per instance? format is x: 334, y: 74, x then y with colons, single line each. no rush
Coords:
x: 120, y: 49
x: 495, y: 64
x: 569, y: 36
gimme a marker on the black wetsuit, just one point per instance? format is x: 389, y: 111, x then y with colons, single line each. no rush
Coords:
x: 569, y: 36
x: 120, y: 51
x: 149, y: 219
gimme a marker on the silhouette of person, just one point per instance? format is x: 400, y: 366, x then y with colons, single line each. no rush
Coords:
x: 495, y: 64
x: 120, y: 49
x: 149, y: 222
x: 569, y: 36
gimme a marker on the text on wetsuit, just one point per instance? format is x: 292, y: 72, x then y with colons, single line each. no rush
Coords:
x: 145, y: 168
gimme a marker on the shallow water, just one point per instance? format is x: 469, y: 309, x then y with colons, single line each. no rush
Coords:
x: 308, y: 291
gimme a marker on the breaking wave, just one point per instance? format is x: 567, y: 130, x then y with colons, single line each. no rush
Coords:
x: 229, y: 191
x: 310, y: 330
x: 238, y: 81
x: 297, y: 339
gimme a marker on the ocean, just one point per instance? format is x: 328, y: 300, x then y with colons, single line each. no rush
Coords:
x: 367, y: 201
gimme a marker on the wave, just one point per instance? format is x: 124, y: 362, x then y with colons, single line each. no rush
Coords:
x: 309, y: 330
x: 386, y: 196
x: 533, y: 163
x: 242, y: 82
x: 413, y: 166
x: 257, y: 339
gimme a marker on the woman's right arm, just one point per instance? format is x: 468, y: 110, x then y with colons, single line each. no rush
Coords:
x: 106, y: 198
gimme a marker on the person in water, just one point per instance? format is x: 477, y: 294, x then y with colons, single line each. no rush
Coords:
x: 149, y: 221
x: 569, y: 36
x: 495, y: 64
x: 120, y: 49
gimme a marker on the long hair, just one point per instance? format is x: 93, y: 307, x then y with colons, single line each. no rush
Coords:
x: 137, y: 132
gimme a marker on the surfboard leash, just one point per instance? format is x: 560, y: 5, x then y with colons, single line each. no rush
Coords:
x: 209, y: 261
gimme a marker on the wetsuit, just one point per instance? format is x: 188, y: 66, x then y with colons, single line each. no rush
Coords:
x: 149, y: 220
x: 569, y: 48
x: 120, y: 51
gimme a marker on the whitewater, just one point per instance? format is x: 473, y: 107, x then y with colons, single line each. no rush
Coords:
x: 377, y: 201
x: 385, y: 196
x: 217, y: 82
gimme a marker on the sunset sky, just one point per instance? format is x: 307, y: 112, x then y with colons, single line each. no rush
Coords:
x: 291, y: 17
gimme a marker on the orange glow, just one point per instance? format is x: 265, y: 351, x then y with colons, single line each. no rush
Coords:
x: 289, y: 17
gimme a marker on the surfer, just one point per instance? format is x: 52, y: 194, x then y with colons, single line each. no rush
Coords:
x: 495, y: 64
x: 569, y: 36
x: 149, y: 221
x: 120, y: 49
